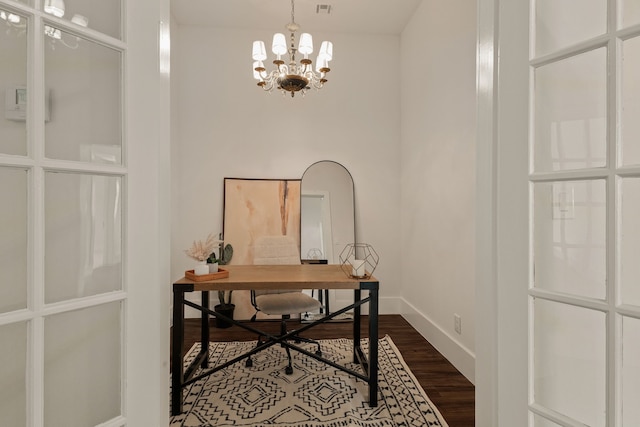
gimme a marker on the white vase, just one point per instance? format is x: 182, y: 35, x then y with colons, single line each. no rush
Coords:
x: 213, y: 268
x: 201, y: 269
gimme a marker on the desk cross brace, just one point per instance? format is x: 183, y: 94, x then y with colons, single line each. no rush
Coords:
x: 359, y: 356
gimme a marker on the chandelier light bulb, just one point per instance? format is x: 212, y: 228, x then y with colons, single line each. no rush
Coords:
x: 326, y: 50
x: 306, y: 44
x: 279, y: 45
x: 54, y: 7
x: 259, y: 52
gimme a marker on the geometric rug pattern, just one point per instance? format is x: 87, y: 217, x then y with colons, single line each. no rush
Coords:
x: 315, y: 395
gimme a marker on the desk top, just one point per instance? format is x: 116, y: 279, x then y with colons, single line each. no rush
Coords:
x: 304, y: 276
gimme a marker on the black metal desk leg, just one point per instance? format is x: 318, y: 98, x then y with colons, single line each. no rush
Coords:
x: 204, y: 328
x: 326, y: 302
x: 177, y: 373
x: 357, y: 296
x: 373, y: 348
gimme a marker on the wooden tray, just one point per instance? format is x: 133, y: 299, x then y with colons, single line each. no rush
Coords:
x: 221, y: 274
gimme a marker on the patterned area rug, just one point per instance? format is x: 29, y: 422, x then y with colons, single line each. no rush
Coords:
x: 315, y: 395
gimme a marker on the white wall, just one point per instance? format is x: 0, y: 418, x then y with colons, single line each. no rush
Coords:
x: 438, y: 176
x: 228, y: 127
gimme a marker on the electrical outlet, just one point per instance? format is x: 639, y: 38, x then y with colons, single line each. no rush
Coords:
x: 457, y: 323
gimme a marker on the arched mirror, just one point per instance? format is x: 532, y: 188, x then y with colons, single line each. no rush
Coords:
x: 327, y: 212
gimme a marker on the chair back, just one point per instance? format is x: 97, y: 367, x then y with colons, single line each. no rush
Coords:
x: 276, y: 250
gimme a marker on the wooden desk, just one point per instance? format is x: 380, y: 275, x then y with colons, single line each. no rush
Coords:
x: 247, y: 277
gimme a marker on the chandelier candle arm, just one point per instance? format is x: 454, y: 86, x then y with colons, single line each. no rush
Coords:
x: 294, y: 76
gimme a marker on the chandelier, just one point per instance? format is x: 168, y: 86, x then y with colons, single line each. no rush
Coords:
x: 294, y: 76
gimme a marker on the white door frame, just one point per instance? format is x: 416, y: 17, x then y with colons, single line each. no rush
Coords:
x: 502, y: 213
x: 149, y: 214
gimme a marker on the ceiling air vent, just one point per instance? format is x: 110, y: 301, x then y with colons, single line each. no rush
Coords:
x: 323, y: 9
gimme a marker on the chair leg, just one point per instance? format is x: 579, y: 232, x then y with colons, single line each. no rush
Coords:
x: 249, y: 362
x: 310, y: 341
x: 296, y: 338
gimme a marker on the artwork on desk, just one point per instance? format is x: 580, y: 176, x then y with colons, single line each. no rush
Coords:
x: 256, y: 208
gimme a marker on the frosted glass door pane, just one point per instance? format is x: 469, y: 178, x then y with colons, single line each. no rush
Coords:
x: 13, y: 368
x: 630, y: 372
x: 556, y: 25
x: 13, y: 81
x: 570, y: 234
x: 82, y: 366
x: 99, y: 15
x: 630, y: 94
x: 13, y: 239
x: 569, y: 366
x: 570, y: 113
x: 86, y: 113
x: 83, y: 235
x: 630, y: 12
x: 629, y: 235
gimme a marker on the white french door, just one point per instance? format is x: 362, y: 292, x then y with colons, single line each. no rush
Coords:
x: 566, y: 232
x: 584, y: 329
x: 74, y: 234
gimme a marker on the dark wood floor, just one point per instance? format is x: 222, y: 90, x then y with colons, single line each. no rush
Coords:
x: 447, y: 388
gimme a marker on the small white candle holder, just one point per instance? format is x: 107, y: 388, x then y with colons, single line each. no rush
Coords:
x: 359, y: 260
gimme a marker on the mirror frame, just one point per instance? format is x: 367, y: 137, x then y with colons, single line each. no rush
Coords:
x: 353, y: 200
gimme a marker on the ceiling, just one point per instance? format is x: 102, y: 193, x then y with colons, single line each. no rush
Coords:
x: 346, y: 16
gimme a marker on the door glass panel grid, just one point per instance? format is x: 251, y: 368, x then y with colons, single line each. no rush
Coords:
x: 629, y: 13
x: 22, y: 341
x: 89, y: 391
x: 570, y: 112
x: 83, y: 235
x: 87, y: 75
x: 556, y: 27
x: 569, y: 361
x: 628, y: 241
x: 569, y: 253
x: 629, y: 94
x: 617, y: 394
x: 14, y: 235
x: 629, y: 371
x: 14, y: 31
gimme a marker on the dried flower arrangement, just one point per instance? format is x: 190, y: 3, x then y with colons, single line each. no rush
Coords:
x: 200, y: 250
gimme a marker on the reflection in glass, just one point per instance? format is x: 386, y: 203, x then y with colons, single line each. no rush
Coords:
x: 86, y: 115
x: 13, y: 360
x: 630, y: 372
x: 556, y: 25
x: 570, y: 113
x: 82, y: 366
x: 99, y: 15
x: 83, y: 240
x: 13, y: 239
x: 13, y: 72
x: 629, y: 236
x: 569, y: 351
x: 570, y: 229
x: 630, y: 94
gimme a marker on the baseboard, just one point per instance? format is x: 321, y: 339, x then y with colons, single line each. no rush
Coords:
x: 461, y: 357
